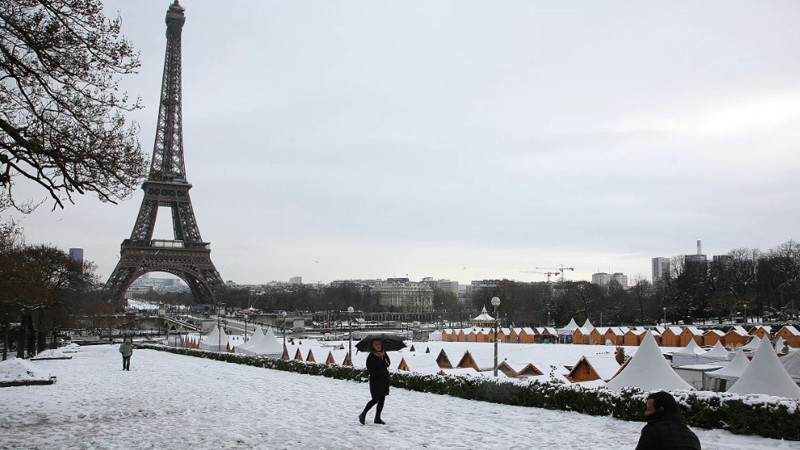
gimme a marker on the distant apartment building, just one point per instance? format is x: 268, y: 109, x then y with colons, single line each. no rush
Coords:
x: 660, y: 269
x: 697, y: 258
x: 296, y: 280
x: 447, y: 286
x: 621, y: 279
x: 405, y: 296
x: 146, y: 283
x: 464, y: 294
x: 76, y: 254
x: 484, y: 284
x: 604, y: 279
x: 721, y: 262
x: 601, y: 279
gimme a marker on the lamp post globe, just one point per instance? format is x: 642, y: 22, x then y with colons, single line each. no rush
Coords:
x: 495, y: 303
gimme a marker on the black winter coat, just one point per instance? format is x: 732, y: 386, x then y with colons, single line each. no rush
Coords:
x: 667, y: 431
x: 378, y: 369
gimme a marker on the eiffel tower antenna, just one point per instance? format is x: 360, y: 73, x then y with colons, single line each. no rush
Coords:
x: 185, y: 256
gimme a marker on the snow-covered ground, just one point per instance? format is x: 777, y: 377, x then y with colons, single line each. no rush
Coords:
x: 173, y: 401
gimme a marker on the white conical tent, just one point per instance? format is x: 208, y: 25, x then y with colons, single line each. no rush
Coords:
x: 752, y: 345
x: 718, y: 351
x: 692, y: 349
x: 588, y: 325
x: 257, y: 336
x: 216, y: 341
x: 780, y: 345
x: 648, y: 370
x: 267, y: 345
x: 791, y: 363
x: 766, y: 375
x: 571, y: 326
x: 734, y: 369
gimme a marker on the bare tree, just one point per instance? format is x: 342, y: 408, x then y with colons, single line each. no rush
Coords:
x: 62, y: 126
x: 642, y: 293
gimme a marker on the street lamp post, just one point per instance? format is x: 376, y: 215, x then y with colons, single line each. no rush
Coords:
x: 283, y: 329
x: 219, y: 327
x: 495, y: 303
x: 350, y: 334
x: 745, y: 313
x: 665, y: 316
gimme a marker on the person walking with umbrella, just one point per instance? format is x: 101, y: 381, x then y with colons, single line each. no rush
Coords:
x: 378, y: 368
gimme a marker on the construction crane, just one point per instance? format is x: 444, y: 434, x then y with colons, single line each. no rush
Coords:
x: 561, y: 269
x: 541, y: 273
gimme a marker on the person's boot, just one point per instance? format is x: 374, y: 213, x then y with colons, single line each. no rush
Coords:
x: 362, y: 417
x: 379, y: 421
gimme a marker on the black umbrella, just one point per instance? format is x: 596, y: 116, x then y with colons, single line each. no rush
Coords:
x: 391, y: 342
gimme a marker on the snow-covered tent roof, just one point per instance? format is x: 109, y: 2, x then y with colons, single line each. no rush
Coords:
x: 648, y: 370
x: 571, y: 326
x: 692, y: 354
x: 718, y: 351
x: 483, y: 316
x: 791, y: 363
x: 435, y: 336
x: 216, y: 341
x: 692, y: 349
x: 766, y: 375
x: 753, y: 344
x: 734, y: 369
x: 257, y: 335
x: 267, y: 345
x: 588, y: 325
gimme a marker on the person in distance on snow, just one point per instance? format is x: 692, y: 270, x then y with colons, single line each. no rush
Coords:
x: 126, y: 348
x: 378, y: 368
x: 664, y: 429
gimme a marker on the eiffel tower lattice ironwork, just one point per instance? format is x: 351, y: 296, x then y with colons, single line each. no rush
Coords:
x: 187, y: 256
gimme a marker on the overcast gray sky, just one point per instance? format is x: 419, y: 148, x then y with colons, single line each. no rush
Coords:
x: 467, y: 139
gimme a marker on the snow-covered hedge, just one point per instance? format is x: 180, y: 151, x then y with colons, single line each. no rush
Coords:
x: 741, y: 414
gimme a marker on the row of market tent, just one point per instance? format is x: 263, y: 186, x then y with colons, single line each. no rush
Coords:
x: 672, y: 336
x: 648, y: 368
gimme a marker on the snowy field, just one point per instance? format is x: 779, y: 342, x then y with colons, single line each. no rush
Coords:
x: 172, y: 401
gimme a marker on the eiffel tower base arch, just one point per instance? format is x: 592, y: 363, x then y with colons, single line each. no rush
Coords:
x: 191, y: 264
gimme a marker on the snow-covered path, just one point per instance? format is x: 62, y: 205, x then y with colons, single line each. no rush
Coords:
x: 172, y: 401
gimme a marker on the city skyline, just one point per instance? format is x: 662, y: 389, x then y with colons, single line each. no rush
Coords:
x: 465, y: 140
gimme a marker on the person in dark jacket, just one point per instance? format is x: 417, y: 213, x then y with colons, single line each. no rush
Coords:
x: 126, y: 348
x: 378, y: 368
x: 665, y: 429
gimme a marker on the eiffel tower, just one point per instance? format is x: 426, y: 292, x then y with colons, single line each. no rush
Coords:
x: 187, y: 256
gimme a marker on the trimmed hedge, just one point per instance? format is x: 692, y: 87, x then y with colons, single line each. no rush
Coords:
x: 752, y: 415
